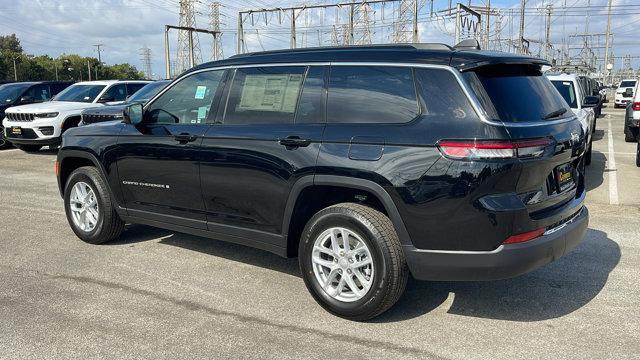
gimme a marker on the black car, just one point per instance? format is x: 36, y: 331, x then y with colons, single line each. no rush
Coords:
x: 22, y: 93
x: 115, y: 112
x: 591, y: 88
x: 368, y: 163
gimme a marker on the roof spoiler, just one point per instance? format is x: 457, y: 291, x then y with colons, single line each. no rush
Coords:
x: 468, y: 44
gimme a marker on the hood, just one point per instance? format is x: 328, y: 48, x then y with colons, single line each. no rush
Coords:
x: 105, y: 110
x: 51, y: 106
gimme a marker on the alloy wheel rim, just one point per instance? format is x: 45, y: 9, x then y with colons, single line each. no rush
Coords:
x: 342, y: 264
x: 84, y: 207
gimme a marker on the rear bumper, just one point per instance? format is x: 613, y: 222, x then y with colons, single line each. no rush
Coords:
x: 504, y: 262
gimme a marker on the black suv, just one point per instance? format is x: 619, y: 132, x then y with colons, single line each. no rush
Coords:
x: 22, y: 93
x: 368, y: 163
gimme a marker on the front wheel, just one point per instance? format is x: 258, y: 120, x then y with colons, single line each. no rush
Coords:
x: 89, y: 207
x: 352, y: 261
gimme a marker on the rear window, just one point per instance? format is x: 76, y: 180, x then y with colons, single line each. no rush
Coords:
x: 516, y: 93
x: 628, y: 84
x: 565, y: 88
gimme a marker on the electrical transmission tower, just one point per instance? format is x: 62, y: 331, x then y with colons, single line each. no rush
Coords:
x: 215, y: 26
x: 186, y: 41
x: 407, y: 14
x: 364, y: 24
x: 145, y: 54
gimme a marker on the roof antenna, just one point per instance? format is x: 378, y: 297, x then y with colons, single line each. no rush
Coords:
x: 468, y: 44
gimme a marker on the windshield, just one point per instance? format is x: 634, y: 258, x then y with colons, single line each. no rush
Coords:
x: 630, y: 83
x: 148, y: 91
x: 80, y: 93
x: 10, y: 92
x: 516, y: 93
x: 565, y: 88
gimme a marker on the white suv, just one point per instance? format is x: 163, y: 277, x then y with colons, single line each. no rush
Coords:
x: 35, y: 125
x: 624, y: 92
x: 568, y: 85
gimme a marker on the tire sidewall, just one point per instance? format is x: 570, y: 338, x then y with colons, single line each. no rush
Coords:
x: 335, y: 217
x: 84, y: 176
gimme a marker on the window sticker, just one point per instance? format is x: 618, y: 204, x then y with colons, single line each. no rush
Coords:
x: 566, y: 83
x: 270, y: 93
x: 200, y: 92
x: 202, y: 113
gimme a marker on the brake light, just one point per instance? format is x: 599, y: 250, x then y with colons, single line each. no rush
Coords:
x: 493, y: 149
x: 57, y: 168
x: 636, y: 106
x: 520, y: 238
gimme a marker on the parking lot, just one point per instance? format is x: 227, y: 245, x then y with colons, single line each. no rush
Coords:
x: 156, y: 294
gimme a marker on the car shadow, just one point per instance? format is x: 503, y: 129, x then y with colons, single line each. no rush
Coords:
x: 594, y: 173
x: 598, y: 135
x: 552, y: 291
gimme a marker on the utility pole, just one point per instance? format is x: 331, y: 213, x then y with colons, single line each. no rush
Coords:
x: 407, y: 13
x: 364, y: 24
x: 145, y: 54
x: 215, y: 26
x: 547, y: 43
x: 89, y: 69
x: 606, y: 43
x: 189, y: 53
x: 15, y: 70
x: 487, y: 26
x: 523, y: 3
x: 99, y: 52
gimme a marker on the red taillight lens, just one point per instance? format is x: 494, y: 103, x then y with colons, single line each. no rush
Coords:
x: 520, y: 238
x: 493, y: 149
x: 636, y: 106
x: 57, y: 168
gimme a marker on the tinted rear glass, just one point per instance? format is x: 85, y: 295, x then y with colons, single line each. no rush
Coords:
x: 515, y: 93
x: 565, y: 88
x: 627, y: 84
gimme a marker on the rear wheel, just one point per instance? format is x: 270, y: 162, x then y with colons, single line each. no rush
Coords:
x: 89, y: 207
x: 29, y: 148
x: 630, y: 134
x: 352, y: 261
x: 638, y: 155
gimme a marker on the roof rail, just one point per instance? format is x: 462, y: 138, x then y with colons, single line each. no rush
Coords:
x: 418, y: 46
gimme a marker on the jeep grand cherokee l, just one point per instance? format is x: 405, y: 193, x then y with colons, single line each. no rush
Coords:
x: 368, y: 163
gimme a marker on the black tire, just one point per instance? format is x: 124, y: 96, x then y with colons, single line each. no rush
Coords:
x: 3, y: 140
x: 377, y: 231
x: 630, y: 135
x: 638, y: 155
x: 29, y: 148
x: 587, y: 156
x: 109, y: 225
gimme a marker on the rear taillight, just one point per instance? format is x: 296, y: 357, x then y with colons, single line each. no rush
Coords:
x: 494, y: 149
x: 636, y: 106
x: 57, y: 168
x: 520, y: 238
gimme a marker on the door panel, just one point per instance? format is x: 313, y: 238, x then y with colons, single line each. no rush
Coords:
x: 158, y: 160
x: 251, y: 160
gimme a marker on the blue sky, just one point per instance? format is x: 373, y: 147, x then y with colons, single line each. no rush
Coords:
x: 55, y: 27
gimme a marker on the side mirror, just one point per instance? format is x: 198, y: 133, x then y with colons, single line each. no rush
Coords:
x: 26, y: 100
x: 133, y: 114
x: 628, y: 92
x: 105, y: 98
x: 591, y: 101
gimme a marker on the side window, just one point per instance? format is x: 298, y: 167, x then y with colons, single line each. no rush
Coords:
x: 266, y: 95
x: 39, y: 93
x: 441, y: 95
x: 118, y: 92
x: 133, y: 88
x: 187, y: 102
x: 311, y: 106
x: 371, y: 94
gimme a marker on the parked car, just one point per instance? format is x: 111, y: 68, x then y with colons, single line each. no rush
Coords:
x: 32, y: 126
x: 632, y: 118
x: 590, y: 88
x: 115, y: 112
x: 21, y: 93
x: 568, y: 85
x: 444, y: 163
x: 624, y: 92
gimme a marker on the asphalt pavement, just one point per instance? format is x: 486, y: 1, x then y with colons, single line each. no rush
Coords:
x: 162, y: 295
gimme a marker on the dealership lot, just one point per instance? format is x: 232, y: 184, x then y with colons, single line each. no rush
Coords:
x: 164, y: 295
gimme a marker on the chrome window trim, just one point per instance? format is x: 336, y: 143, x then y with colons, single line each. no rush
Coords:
x: 473, y: 100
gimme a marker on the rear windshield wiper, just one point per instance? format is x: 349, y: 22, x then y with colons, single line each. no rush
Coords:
x: 554, y: 114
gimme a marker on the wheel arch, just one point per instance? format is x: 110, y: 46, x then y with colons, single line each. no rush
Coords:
x: 70, y: 160
x: 294, y: 221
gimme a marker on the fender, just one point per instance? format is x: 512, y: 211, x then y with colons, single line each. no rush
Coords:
x: 65, y: 153
x: 347, y: 182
